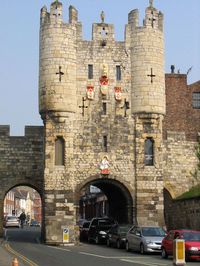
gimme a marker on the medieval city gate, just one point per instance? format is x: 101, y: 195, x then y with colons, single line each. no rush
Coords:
x: 102, y: 103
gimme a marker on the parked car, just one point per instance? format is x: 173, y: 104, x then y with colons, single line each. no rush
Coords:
x: 192, y: 243
x: 11, y: 221
x: 116, y: 236
x: 84, y: 231
x: 145, y: 239
x: 98, y: 229
x: 35, y: 223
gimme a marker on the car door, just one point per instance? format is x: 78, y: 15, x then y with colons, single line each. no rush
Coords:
x: 137, y: 239
x: 169, y: 242
x: 132, y: 238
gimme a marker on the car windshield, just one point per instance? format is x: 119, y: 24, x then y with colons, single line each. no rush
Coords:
x: 11, y: 218
x: 153, y: 231
x: 191, y: 236
x: 124, y: 229
x: 106, y: 222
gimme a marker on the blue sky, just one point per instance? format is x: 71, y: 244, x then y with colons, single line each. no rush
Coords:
x: 19, y: 45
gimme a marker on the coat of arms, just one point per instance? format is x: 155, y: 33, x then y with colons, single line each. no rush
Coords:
x: 90, y: 92
x: 104, y: 85
x: 118, y: 93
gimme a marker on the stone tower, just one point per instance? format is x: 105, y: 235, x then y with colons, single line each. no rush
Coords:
x: 101, y: 99
x: 148, y: 109
x: 57, y: 105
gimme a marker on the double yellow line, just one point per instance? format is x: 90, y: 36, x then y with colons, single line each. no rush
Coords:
x: 23, y: 258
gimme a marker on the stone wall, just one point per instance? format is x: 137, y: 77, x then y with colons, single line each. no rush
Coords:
x: 183, y: 213
x: 21, y: 161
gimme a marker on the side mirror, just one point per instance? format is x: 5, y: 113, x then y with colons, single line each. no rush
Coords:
x: 138, y: 234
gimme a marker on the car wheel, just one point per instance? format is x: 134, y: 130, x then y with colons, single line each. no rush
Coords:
x: 164, y: 254
x: 127, y: 246
x: 97, y: 240
x: 142, y: 249
x: 108, y: 242
x: 118, y: 244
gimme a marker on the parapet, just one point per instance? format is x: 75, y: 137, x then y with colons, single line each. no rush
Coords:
x: 153, y: 18
x: 34, y: 131
x: 4, y: 130
x: 56, y: 14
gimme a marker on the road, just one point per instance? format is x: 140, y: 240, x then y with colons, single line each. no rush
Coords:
x: 24, y: 242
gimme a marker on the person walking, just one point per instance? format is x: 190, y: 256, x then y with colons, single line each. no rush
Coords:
x: 22, y: 219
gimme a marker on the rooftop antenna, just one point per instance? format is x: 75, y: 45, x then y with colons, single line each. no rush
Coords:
x: 189, y: 70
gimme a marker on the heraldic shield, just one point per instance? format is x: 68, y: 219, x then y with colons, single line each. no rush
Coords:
x: 118, y: 93
x: 90, y: 92
x: 104, y: 85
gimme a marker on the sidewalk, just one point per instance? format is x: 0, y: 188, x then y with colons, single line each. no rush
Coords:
x: 6, y: 258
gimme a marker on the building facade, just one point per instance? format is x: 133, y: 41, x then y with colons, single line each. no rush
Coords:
x: 110, y: 121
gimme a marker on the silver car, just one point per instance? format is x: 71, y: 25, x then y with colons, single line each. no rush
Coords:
x: 144, y: 239
x: 11, y: 221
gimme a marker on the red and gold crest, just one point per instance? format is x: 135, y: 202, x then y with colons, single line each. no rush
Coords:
x: 118, y: 93
x: 104, y: 85
x: 90, y: 92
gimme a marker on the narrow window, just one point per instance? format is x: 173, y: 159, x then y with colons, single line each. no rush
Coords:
x: 149, y: 151
x: 196, y: 100
x: 118, y: 73
x: 104, y: 108
x: 59, y: 151
x: 90, y: 71
x: 105, y: 143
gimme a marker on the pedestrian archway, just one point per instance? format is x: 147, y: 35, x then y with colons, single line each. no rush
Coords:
x: 23, y: 199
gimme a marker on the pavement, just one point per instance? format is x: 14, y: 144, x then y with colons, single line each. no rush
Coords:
x: 6, y: 258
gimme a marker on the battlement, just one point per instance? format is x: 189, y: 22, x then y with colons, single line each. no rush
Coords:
x: 30, y: 131
x: 153, y: 19
x: 56, y: 14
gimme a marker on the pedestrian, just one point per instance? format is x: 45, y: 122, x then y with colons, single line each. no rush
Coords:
x: 22, y: 219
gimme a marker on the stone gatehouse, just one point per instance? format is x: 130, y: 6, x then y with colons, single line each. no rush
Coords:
x: 112, y: 119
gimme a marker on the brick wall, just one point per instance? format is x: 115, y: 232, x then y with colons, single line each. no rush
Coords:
x: 180, y: 115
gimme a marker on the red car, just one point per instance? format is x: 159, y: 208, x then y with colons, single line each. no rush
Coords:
x: 192, y: 243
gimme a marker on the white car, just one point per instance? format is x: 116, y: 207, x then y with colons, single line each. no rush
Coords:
x: 11, y: 221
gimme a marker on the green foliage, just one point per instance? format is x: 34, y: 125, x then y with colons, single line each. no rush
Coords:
x: 192, y: 193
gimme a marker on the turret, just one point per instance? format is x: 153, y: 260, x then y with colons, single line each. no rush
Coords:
x: 57, y: 71
x: 147, y: 62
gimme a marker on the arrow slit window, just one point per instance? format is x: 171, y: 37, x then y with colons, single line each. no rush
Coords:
x: 118, y: 73
x: 59, y: 151
x: 149, y: 151
x: 90, y: 71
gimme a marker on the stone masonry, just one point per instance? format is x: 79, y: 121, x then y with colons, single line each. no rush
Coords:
x: 103, y: 99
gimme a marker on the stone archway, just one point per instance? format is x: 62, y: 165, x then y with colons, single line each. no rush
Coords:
x: 9, y: 188
x: 120, y: 200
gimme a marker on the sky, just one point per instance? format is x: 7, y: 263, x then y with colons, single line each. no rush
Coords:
x: 19, y: 46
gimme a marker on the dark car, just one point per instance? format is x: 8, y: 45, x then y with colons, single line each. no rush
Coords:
x: 116, y: 236
x: 84, y: 231
x: 98, y: 229
x: 192, y: 243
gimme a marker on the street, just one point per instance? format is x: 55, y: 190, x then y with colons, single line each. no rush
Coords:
x: 25, y: 243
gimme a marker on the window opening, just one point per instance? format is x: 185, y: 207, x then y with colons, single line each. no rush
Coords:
x: 59, y: 151
x: 104, y: 108
x: 105, y: 143
x: 90, y: 71
x: 118, y: 73
x: 149, y: 151
x: 196, y: 100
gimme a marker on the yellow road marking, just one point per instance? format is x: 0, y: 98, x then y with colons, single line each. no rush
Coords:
x: 23, y: 258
